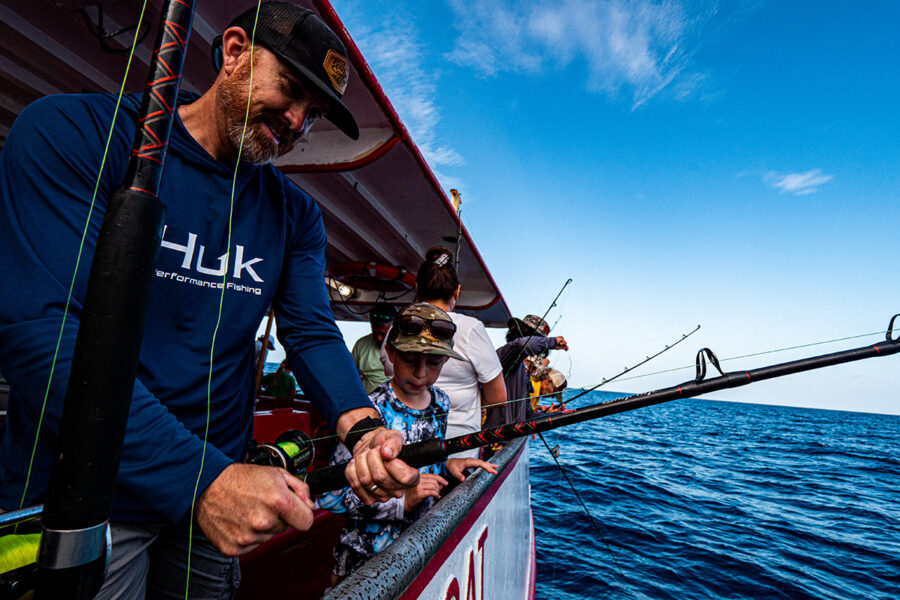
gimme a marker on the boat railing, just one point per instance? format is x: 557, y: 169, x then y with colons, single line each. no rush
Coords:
x: 388, y: 574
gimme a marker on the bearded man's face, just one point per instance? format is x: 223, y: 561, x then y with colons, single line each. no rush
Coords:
x: 281, y: 109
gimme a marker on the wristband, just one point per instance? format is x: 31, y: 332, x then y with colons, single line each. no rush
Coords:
x: 361, y: 428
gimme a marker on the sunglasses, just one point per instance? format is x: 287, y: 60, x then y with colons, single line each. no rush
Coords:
x: 414, y: 325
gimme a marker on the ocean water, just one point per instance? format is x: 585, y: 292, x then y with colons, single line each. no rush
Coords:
x: 702, y: 499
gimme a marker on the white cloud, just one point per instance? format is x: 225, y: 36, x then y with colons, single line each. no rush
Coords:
x: 798, y: 184
x: 396, y: 56
x: 640, y: 47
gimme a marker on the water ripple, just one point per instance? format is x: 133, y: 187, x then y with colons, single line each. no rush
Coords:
x: 702, y: 499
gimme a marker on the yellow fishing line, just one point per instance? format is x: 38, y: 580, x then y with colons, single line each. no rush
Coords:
x: 78, y: 256
x: 18, y: 550
x: 212, y: 348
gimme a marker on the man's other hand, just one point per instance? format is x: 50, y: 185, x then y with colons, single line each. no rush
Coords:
x: 247, y: 504
x: 374, y: 473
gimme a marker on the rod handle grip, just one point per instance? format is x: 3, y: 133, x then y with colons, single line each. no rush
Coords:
x: 415, y: 455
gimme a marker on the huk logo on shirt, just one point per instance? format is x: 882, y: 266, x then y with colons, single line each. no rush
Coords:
x: 195, y: 260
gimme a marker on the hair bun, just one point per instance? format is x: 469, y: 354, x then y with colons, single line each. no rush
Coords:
x: 436, y: 278
x: 439, y: 256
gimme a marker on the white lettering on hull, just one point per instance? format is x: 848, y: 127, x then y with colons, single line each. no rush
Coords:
x: 474, y: 575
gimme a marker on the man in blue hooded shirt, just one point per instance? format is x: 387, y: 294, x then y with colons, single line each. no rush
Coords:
x: 48, y: 169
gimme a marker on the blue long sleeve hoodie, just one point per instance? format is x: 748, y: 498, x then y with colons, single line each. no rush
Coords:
x: 48, y: 168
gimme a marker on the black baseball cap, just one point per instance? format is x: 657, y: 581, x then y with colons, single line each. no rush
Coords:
x: 382, y: 312
x: 300, y: 38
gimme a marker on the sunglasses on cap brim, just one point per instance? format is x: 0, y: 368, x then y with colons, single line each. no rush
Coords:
x: 414, y: 325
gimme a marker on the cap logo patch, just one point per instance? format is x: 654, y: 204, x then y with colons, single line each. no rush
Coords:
x: 336, y: 67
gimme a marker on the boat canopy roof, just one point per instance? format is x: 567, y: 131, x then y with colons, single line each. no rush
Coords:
x: 381, y: 203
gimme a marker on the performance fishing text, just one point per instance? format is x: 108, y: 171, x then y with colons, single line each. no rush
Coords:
x: 216, y: 285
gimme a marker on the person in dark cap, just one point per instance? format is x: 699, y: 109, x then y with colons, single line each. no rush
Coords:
x: 367, y: 349
x: 524, y: 338
x: 270, y: 251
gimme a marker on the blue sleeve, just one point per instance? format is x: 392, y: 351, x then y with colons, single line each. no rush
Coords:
x: 516, y: 350
x: 48, y: 169
x: 315, y: 348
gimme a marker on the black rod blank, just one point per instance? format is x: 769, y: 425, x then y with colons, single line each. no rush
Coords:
x: 104, y: 361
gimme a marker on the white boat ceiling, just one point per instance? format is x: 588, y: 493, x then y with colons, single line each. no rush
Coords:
x: 380, y: 200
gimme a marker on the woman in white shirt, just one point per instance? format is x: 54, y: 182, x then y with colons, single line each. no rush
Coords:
x: 471, y: 384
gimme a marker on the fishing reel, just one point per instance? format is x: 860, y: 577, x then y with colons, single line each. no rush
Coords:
x: 293, y: 451
x: 537, y: 366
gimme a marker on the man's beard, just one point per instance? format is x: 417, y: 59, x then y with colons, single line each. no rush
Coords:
x: 258, y: 146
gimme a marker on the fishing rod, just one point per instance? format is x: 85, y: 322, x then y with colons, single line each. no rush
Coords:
x: 437, y: 450
x: 75, y: 539
x: 534, y: 331
x: 668, y: 347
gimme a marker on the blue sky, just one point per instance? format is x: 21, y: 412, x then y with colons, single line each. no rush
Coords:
x: 729, y: 164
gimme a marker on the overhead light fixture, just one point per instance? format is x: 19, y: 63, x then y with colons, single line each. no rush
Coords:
x: 345, y: 290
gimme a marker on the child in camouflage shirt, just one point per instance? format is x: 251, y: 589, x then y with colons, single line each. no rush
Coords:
x: 419, y: 343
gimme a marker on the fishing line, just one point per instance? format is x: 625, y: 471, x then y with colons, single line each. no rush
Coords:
x: 78, y: 258
x: 212, y: 348
x: 584, y: 507
x: 563, y: 298
x: 333, y: 436
x: 684, y: 336
x: 618, y: 349
x: 538, y: 397
x: 554, y: 455
x: 668, y: 347
x: 785, y: 349
x: 628, y: 369
x: 552, y: 327
x: 568, y: 354
x: 559, y: 509
x: 555, y: 323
